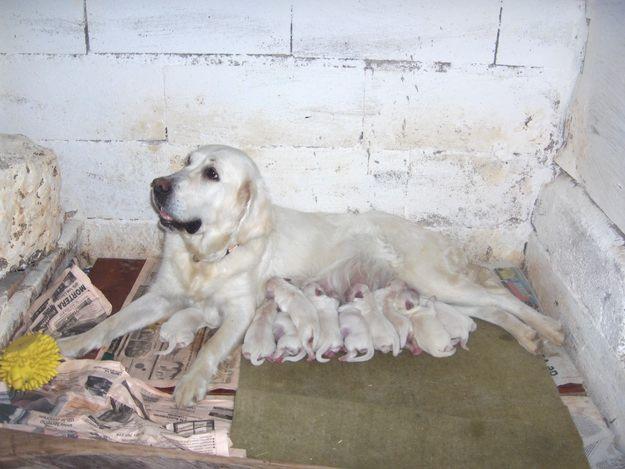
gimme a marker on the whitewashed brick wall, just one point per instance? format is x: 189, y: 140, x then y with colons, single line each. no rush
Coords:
x: 576, y: 255
x: 447, y: 112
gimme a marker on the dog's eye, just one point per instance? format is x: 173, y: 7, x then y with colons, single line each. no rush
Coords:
x: 211, y: 174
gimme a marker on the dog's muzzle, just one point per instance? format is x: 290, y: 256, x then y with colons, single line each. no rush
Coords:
x: 162, y: 188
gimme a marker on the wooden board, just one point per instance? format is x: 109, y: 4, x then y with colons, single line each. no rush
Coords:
x: 20, y: 449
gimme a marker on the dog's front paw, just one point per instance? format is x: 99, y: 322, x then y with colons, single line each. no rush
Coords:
x: 191, y: 388
x: 77, y: 345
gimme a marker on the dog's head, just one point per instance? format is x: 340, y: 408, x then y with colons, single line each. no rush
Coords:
x: 218, y: 192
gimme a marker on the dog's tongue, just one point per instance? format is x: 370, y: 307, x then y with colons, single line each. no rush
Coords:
x: 164, y: 215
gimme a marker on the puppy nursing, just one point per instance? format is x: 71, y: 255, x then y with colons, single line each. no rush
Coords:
x: 294, y: 323
x: 289, y: 347
x: 330, y: 340
x: 259, y: 343
x: 303, y: 313
x: 385, y: 338
x: 356, y: 334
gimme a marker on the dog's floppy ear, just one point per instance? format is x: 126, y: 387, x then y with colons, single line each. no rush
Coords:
x: 256, y: 220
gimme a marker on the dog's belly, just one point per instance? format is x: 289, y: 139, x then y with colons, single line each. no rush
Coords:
x: 306, y: 244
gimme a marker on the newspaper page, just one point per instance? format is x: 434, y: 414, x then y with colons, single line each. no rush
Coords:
x: 99, y: 400
x: 137, y: 351
x: 70, y: 306
x: 598, y: 439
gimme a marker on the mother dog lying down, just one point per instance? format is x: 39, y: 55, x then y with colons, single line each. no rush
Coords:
x: 224, y: 239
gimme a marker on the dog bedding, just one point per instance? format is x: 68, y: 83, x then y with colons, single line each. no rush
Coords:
x: 492, y: 406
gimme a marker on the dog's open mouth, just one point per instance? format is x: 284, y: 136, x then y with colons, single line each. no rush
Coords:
x: 169, y: 222
x: 164, y: 215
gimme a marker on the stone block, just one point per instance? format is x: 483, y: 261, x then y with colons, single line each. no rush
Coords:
x: 29, y: 202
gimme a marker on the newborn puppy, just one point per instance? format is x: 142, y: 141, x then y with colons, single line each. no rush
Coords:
x: 407, y: 300
x: 386, y: 299
x: 302, y: 312
x: 428, y: 330
x: 179, y: 330
x: 385, y: 338
x: 259, y: 342
x: 289, y: 347
x: 457, y: 324
x: 330, y: 340
x: 355, y: 334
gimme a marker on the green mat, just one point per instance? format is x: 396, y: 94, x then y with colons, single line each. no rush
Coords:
x: 493, y: 406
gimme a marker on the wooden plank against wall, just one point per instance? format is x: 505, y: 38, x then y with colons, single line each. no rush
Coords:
x: 19, y: 449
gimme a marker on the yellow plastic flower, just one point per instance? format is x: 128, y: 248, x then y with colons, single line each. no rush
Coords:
x: 29, y: 362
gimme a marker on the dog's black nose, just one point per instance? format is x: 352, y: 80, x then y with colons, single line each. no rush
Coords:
x: 161, y: 186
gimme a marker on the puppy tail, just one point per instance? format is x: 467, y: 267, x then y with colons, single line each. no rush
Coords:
x: 396, y: 344
x: 256, y: 360
x: 367, y: 356
x: 319, y: 354
x: 295, y: 358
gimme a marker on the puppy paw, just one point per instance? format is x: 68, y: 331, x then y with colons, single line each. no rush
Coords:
x: 174, y: 340
x: 191, y: 388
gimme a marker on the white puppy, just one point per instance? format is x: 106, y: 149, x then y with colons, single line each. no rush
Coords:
x: 303, y: 313
x: 386, y: 299
x: 457, y: 324
x: 180, y: 329
x: 259, y: 343
x: 330, y: 341
x: 428, y: 330
x: 289, y: 347
x: 355, y: 333
x: 385, y: 338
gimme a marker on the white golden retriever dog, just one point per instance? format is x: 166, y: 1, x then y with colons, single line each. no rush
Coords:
x: 224, y: 240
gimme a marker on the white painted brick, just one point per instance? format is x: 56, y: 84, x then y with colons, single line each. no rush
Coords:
x: 542, y: 34
x: 126, y: 239
x: 587, y: 253
x: 234, y: 27
x: 452, y: 189
x: 314, y: 179
x: 448, y: 30
x: 265, y: 102
x: 470, y: 109
x: 112, y: 179
x: 603, y: 371
x: 596, y: 131
x: 42, y: 26
x: 81, y: 97
x: 389, y: 175
x: 413, y: 184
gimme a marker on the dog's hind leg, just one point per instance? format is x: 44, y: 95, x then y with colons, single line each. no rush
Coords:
x: 457, y: 289
x: 525, y: 335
